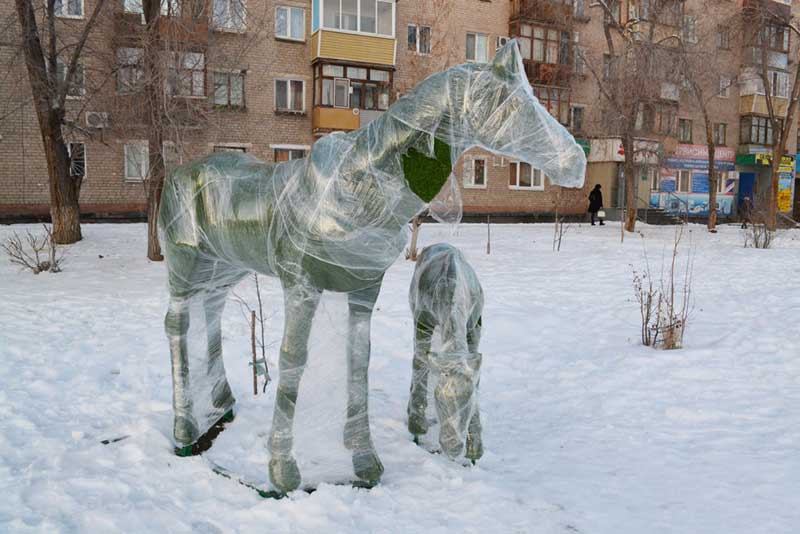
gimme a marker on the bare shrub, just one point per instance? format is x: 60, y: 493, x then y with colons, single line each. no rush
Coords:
x: 258, y: 342
x: 35, y: 252
x: 758, y: 234
x: 664, y: 305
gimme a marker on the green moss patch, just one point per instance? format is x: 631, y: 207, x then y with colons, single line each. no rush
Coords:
x: 426, y: 175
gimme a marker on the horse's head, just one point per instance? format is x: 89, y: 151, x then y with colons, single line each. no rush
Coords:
x: 456, y: 397
x: 503, y: 116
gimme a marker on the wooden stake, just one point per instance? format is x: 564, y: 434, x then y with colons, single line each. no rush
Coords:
x: 253, y: 346
x: 488, y: 234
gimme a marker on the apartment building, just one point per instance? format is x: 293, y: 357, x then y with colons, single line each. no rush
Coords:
x: 269, y: 77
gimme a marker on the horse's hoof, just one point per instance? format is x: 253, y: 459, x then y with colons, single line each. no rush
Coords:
x: 367, y: 466
x: 474, y: 448
x: 284, y: 474
x: 417, y: 425
x: 185, y: 429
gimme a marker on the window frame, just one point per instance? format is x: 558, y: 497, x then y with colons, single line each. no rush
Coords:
x: 290, y: 149
x: 288, y: 81
x: 136, y: 67
x: 145, y: 163
x: 724, y: 92
x: 679, y: 181
x: 535, y: 174
x: 471, y: 174
x: 418, y: 38
x: 72, y: 162
x: 358, y: 29
x: 543, y: 94
x: 682, y: 123
x: 60, y: 14
x: 573, y: 107
x: 290, y: 9
x: 717, y: 130
x: 177, y: 70
x: 61, y: 67
x: 229, y: 74
x: 381, y: 87
x: 756, y: 123
x: 723, y: 38
x: 475, y: 59
x: 226, y: 28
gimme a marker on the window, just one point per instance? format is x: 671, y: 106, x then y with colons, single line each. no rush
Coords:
x: 778, y: 84
x: 290, y: 95
x: 172, y: 156
x: 555, y: 99
x: 690, y: 28
x: 774, y: 37
x: 170, y: 8
x: 756, y: 130
x: 367, y: 16
x: 290, y: 23
x: 229, y: 148
x: 229, y: 15
x: 78, y: 86
x: 720, y: 133
x: 475, y: 173
x: 723, y: 38
x: 523, y: 176
x: 724, y: 87
x: 351, y: 87
x: 286, y: 154
x: 229, y: 89
x: 722, y: 181
x: 130, y: 72
x: 419, y: 39
x: 576, y: 118
x: 546, y: 45
x: 684, y: 181
x: 614, y: 7
x: 653, y: 178
x: 477, y: 47
x: 579, y: 9
x: 657, y: 117
x: 186, y: 74
x: 68, y: 8
x: 607, y: 67
x: 684, y: 130
x: 77, y: 159
x: 137, y: 161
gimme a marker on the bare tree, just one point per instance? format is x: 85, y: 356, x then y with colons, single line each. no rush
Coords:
x: 769, y: 24
x: 53, y: 62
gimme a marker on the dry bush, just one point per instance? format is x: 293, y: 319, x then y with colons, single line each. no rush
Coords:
x: 35, y: 252
x: 758, y: 234
x: 664, y: 305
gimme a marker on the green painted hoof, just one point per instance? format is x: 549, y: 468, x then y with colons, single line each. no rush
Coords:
x: 185, y: 429
x: 204, y: 442
x: 284, y: 474
x: 228, y: 417
x: 367, y: 466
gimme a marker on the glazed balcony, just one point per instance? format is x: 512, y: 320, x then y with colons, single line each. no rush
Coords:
x: 329, y: 119
x: 547, y: 73
x: 553, y: 11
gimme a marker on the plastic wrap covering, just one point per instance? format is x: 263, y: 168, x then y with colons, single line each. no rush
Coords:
x: 332, y: 223
x: 446, y: 302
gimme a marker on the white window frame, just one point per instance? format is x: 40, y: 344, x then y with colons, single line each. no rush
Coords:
x: 61, y: 66
x: 69, y: 152
x: 288, y: 95
x: 469, y: 173
x: 144, y: 164
x: 347, y: 92
x: 724, y: 87
x: 714, y: 132
x: 230, y: 147
x: 475, y: 59
x: 417, y: 35
x: 177, y: 71
x: 135, y: 67
x: 228, y: 74
x: 229, y: 28
x: 290, y: 10
x: 65, y: 4
x: 165, y: 8
x: 535, y: 173
x: 305, y: 148
x: 571, y: 123
x: 358, y: 18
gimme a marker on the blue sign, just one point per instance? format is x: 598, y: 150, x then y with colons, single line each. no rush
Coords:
x: 699, y: 182
x: 698, y: 164
x: 668, y: 184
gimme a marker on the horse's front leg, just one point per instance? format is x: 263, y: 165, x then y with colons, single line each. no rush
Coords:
x: 418, y: 399
x: 474, y: 439
x: 366, y: 464
x: 300, y: 303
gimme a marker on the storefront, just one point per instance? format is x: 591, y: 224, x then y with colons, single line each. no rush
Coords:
x: 755, y: 172
x: 684, y: 186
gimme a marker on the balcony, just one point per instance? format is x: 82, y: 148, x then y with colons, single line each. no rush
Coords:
x: 547, y: 73
x: 185, y: 28
x: 553, y: 11
x: 757, y: 105
x: 780, y: 9
x: 327, y: 119
x: 353, y: 47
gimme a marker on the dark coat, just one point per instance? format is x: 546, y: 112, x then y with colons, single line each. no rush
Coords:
x: 595, y: 201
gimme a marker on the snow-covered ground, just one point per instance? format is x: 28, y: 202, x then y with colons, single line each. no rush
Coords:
x: 585, y: 430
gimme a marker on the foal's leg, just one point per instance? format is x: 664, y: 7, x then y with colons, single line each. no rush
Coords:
x: 418, y: 401
x: 474, y: 441
x: 176, y: 324
x: 300, y: 303
x: 366, y: 464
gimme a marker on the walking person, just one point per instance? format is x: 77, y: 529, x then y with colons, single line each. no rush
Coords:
x: 746, y: 212
x: 596, y: 203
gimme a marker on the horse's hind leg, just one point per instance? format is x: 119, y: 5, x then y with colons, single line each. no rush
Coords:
x: 300, y: 303
x: 176, y: 324
x: 474, y: 440
x: 418, y: 400
x: 366, y: 464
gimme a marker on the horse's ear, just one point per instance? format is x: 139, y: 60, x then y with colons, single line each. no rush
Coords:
x: 508, y: 60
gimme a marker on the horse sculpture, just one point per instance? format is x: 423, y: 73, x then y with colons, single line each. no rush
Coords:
x: 334, y: 221
x: 446, y: 302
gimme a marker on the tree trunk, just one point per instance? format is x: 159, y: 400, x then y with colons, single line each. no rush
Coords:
x: 630, y: 184
x: 712, y: 179
x: 154, y: 90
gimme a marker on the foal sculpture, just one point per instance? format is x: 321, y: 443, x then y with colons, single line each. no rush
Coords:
x: 334, y: 221
x: 446, y: 302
